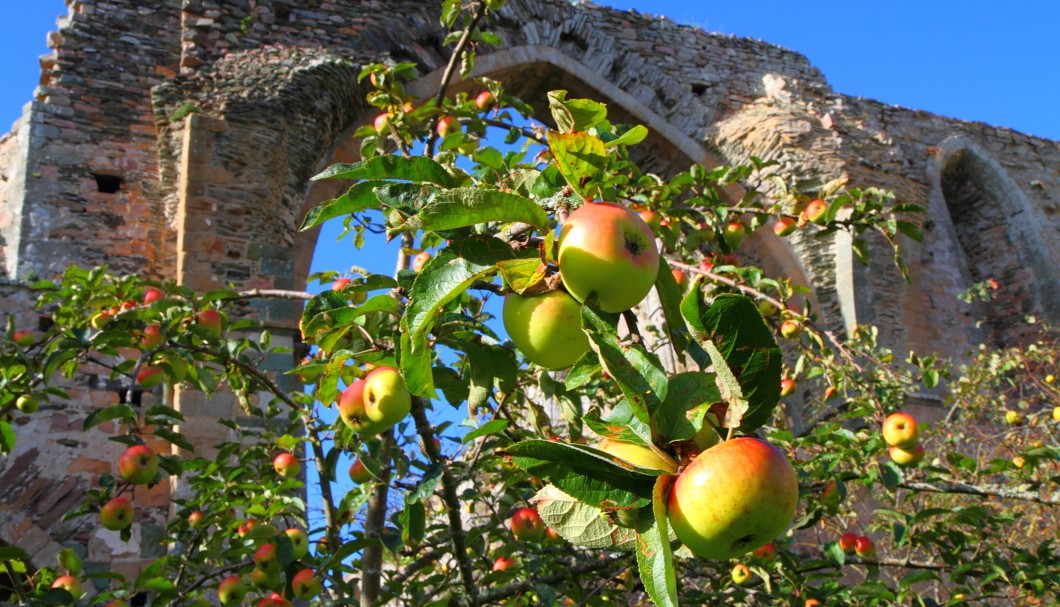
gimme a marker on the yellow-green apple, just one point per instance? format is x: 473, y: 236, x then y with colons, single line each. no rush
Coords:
x: 484, y: 100
x: 787, y: 386
x: 680, y: 277
x: 420, y: 260
x: 138, y: 465
x: 733, y: 498
x: 637, y: 455
x: 231, y: 590
x: 386, y: 399
x: 27, y: 403
x: 767, y: 309
x: 351, y: 410
x: 848, y: 540
x: 790, y: 329
x: 210, y: 321
x: 527, y: 525
x: 152, y: 295
x: 741, y: 574
x: 116, y: 514
x: 305, y: 584
x: 70, y: 584
x: 900, y: 430
x: 446, y: 125
x: 1013, y: 417
x: 299, y: 542
x: 22, y: 338
x: 267, y: 558
x: 381, y: 122
x: 286, y: 465
x: 607, y: 250
x: 784, y: 226
x: 196, y: 519
x: 816, y: 211
x: 359, y: 473
x: 265, y: 578
x: 152, y: 337
x: 733, y: 233
x: 150, y: 376
x: 546, y: 328
x: 765, y: 552
x: 907, y: 456
x: 1056, y: 414
x: 707, y: 435
x: 503, y: 563
x: 863, y: 546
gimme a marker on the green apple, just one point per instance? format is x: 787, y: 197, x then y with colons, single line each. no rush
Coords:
x: 1056, y: 414
x: 784, y: 226
x: 733, y: 498
x: 906, y: 456
x: 741, y: 574
x: 790, y: 329
x: 286, y: 465
x: 816, y: 211
x: 299, y: 542
x: 70, y: 584
x: 386, y: 399
x: 231, y: 590
x: 546, y: 328
x: 608, y: 251
x: 767, y: 309
x: 527, y: 525
x: 900, y: 430
x: 265, y: 578
x: 733, y: 233
x: 116, y: 514
x: 1014, y: 417
x: 636, y: 455
x: 305, y: 584
x: 138, y: 465
x: 27, y: 403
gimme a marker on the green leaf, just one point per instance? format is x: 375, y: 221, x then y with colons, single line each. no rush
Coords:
x: 361, y: 196
x: 326, y: 328
x: 346, y: 550
x: 620, y: 424
x: 632, y: 136
x: 910, y: 230
x: 835, y: 553
x: 891, y: 474
x: 685, y: 392
x: 7, y: 438
x: 575, y: 114
x: 417, y: 169
x: 580, y: 157
x: 97, y: 417
x: 579, y: 523
x: 584, y: 473
x: 463, y: 207
x: 584, y: 371
x: 495, y: 426
x: 521, y: 274
x: 13, y: 553
x: 670, y: 296
x: 655, y: 558
x: 413, y: 521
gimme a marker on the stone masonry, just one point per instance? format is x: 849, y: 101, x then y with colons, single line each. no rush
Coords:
x: 176, y: 140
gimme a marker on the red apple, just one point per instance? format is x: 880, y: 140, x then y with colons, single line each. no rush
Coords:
x: 741, y: 574
x: 653, y: 219
x: 766, y: 552
x: 210, y: 321
x: 150, y: 376
x: 273, y: 600
x: 790, y: 329
x: 420, y: 260
x: 607, y: 250
x: 909, y: 456
x: 681, y: 278
x: 196, y: 519
x: 816, y: 211
x: 266, y: 558
x: 351, y: 410
x: 527, y: 525
x: 245, y: 527
x: 863, y: 546
x: 381, y: 122
x: 546, y: 328
x: 100, y: 319
x: 152, y: 295
x: 784, y: 226
x: 231, y: 590
x: 305, y: 584
x: 340, y: 284
x: 286, y: 465
x: 900, y: 430
x: 359, y: 473
x: 503, y: 563
x: 446, y: 125
x: 733, y: 498
x: 787, y: 387
x: 117, y: 514
x: 848, y: 540
x: 22, y: 338
x: 138, y: 465
x: 152, y: 337
x: 484, y: 100
x: 70, y: 584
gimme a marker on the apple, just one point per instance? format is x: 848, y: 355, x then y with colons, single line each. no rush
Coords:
x: 273, y: 600
x: 231, y: 590
x: 359, y: 473
x: 733, y: 498
x: 305, y: 584
x: 286, y: 465
x: 196, y: 519
x: 340, y: 284
x: 812, y: 603
x: 636, y: 455
x: 900, y: 430
x: 503, y: 563
x: 816, y: 211
x: 741, y: 574
x: 117, y: 514
x: 27, y: 403
x: 299, y: 542
x: 552, y: 536
x: 1056, y: 414
x: 120, y: 603
x: 607, y: 250
x: 351, y: 410
x: 100, y: 319
x: 863, y: 546
x: 420, y: 260
x: 1050, y: 378
x: 733, y: 233
x: 790, y: 329
x: 266, y: 558
x: 210, y: 321
x: 1014, y: 417
x: 22, y: 338
x: 653, y: 219
x: 150, y: 376
x: 765, y: 552
x: 546, y: 328
x: 152, y: 295
x: 527, y: 525
x: 386, y: 399
x: 830, y: 393
x: 70, y: 584
x: 152, y: 337
x: 680, y: 277
x: 1019, y: 462
x: 245, y: 527
x: 787, y: 387
x: 446, y: 125
x: 484, y: 100
x: 138, y: 465
x: 767, y: 309
x: 848, y: 540
x: 784, y: 226
x: 909, y: 456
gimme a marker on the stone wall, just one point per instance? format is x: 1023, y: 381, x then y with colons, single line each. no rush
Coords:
x: 175, y: 140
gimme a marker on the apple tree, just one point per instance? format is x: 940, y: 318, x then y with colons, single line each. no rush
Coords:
x: 731, y: 450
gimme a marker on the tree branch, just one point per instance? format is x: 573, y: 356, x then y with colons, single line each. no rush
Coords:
x: 504, y: 592
x: 374, y: 520
x: 982, y: 490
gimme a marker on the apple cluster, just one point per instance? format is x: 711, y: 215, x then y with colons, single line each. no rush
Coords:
x: 902, y: 435
x: 376, y: 402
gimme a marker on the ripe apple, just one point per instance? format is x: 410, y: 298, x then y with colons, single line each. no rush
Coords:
x: 420, y: 260
x: 733, y: 233
x: 305, y: 584
x: 150, y: 376
x: 245, y: 527
x: 446, y: 125
x: 784, y: 226
x: 812, y: 603
x: 527, y: 525
x: 484, y: 100
x: 503, y: 563
x: 152, y: 295
x: 231, y: 590
x: 27, y: 403
x: 299, y: 542
x: 70, y: 584
x: 340, y: 284
x: 152, y: 337
x: 286, y: 465
x: 117, y: 514
x: 1014, y: 417
x: 733, y: 498
x: 381, y: 122
x: 22, y: 338
x: 637, y: 455
x: 741, y: 574
x: 607, y: 250
x: 680, y: 277
x: 351, y: 410
x: 900, y: 430
x: 210, y: 321
x: 787, y: 387
x: 848, y: 540
x: 765, y: 552
x: 138, y: 465
x: 546, y: 328
x: 273, y: 600
x: 816, y: 211
x: 359, y: 473
x: 909, y: 456
x: 266, y: 558
x: 386, y: 399
x: 196, y: 519
x: 863, y: 546
x: 790, y: 329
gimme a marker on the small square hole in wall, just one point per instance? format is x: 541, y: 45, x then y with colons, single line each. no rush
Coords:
x: 107, y: 184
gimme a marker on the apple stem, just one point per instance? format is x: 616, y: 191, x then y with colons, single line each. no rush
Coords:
x: 631, y: 324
